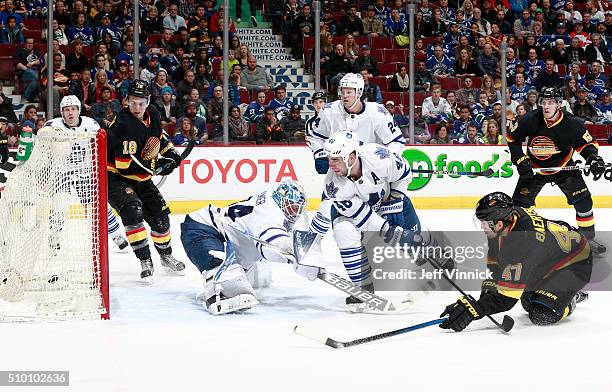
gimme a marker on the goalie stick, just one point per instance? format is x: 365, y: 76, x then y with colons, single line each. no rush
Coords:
x: 372, y: 300
x: 184, y: 155
x: 501, y: 160
x: 312, y: 334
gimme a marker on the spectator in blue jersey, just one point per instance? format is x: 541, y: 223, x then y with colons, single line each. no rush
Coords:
x: 127, y: 53
x: 533, y: 66
x: 601, y: 80
x: 451, y: 37
x: 465, y: 118
x: 381, y: 11
x: 519, y: 89
x: 395, y: 24
x: 470, y: 136
x: 256, y: 108
x: 11, y: 32
x: 447, y: 12
x: 107, y: 28
x: 560, y: 33
x: 80, y: 31
x: 9, y: 10
x: 604, y: 108
x: 593, y: 92
x: 548, y: 78
x: 280, y: 103
x: 185, y: 133
x: 439, y: 64
x: 481, y: 109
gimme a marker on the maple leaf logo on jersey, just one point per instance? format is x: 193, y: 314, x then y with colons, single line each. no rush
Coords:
x: 382, y: 152
x: 331, y: 189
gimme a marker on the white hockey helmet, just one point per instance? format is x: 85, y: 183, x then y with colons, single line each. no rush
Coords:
x: 340, y: 145
x: 353, y: 80
x: 69, y: 100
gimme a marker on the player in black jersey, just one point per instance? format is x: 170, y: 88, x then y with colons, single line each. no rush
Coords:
x: 136, y: 141
x: 552, y: 137
x: 542, y: 262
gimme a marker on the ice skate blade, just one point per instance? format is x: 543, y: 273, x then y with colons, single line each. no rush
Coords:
x: 148, y: 281
x: 170, y: 271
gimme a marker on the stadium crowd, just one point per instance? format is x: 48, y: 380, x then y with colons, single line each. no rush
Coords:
x: 560, y: 43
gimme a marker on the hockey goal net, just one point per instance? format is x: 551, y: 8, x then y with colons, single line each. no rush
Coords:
x: 53, y: 230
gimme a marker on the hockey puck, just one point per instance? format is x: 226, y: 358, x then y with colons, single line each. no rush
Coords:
x: 53, y: 279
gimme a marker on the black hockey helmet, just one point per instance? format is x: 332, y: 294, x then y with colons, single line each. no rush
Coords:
x: 494, y: 206
x: 318, y: 95
x: 139, y: 88
x: 551, y: 93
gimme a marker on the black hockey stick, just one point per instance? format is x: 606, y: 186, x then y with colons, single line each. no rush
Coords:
x: 503, y: 158
x: 506, y: 324
x: 310, y: 334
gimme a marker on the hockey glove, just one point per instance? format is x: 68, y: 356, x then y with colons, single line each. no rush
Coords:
x: 523, y: 165
x: 165, y: 166
x: 596, y: 164
x: 394, y: 234
x: 321, y: 165
x: 488, y: 286
x: 393, y: 211
x: 461, y: 314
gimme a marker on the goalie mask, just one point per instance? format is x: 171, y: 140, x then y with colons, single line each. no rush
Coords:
x: 341, y: 145
x: 291, y: 199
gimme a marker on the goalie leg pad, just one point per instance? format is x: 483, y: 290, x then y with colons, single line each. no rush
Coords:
x: 229, y: 291
x: 198, y: 239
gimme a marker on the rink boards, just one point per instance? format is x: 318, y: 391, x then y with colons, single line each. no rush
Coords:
x: 222, y: 175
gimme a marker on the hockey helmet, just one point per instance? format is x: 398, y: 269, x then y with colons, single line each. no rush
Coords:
x: 494, y: 207
x: 69, y: 100
x: 352, y: 80
x: 139, y: 88
x: 341, y: 145
x: 291, y: 199
x: 318, y: 95
x: 551, y: 93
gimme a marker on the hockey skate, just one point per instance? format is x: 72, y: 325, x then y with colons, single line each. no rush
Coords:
x: 147, y: 271
x: 355, y: 305
x: 172, y: 265
x: 120, y: 242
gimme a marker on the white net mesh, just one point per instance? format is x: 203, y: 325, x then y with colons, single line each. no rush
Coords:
x: 49, y: 231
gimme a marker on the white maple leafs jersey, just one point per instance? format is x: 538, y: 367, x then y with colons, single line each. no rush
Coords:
x: 80, y: 150
x: 373, y: 125
x: 259, y: 216
x: 384, y: 175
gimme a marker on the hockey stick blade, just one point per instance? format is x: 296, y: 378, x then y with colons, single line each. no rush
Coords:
x: 314, y: 335
x: 188, y: 149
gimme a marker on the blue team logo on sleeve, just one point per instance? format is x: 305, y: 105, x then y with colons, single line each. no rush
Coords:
x: 331, y: 189
x: 382, y: 152
x: 382, y: 109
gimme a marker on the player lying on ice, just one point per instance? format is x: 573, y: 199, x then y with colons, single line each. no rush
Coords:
x: 542, y: 262
x: 228, y: 260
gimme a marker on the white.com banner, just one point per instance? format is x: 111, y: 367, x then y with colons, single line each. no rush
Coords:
x: 231, y: 173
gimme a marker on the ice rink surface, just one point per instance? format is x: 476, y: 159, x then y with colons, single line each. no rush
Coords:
x: 159, y: 339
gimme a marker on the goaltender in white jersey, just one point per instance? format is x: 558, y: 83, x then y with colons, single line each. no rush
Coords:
x: 71, y: 120
x: 228, y: 260
x: 370, y: 122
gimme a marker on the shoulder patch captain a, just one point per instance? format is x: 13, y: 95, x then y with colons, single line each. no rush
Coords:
x: 382, y: 152
x: 331, y: 189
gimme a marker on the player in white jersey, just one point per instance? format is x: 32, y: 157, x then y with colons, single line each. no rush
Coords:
x: 227, y: 260
x: 370, y: 122
x: 71, y: 119
x: 367, y: 187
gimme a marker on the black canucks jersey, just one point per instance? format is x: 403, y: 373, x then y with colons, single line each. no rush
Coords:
x: 550, y: 145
